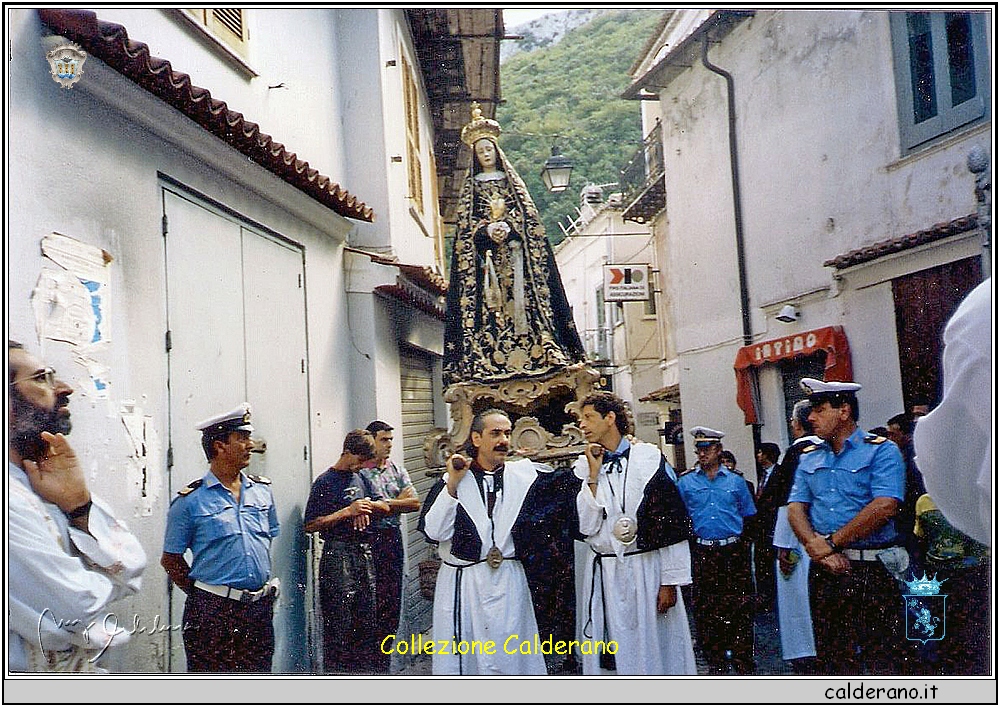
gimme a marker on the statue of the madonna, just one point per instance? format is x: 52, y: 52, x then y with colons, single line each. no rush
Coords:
x: 507, y: 314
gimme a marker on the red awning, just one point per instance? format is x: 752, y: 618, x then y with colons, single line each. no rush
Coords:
x: 831, y: 339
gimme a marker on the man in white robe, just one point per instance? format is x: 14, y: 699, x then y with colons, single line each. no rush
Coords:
x: 482, y: 593
x: 637, y: 530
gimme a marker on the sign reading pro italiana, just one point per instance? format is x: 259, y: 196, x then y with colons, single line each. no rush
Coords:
x: 626, y: 283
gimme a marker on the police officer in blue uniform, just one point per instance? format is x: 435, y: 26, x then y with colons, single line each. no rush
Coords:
x: 847, y: 490
x: 227, y: 519
x: 718, y: 501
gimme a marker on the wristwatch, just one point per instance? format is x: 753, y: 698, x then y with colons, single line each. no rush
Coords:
x: 79, y: 511
x: 829, y: 541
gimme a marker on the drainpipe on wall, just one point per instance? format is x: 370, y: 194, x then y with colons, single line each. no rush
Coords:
x: 978, y: 163
x: 737, y: 214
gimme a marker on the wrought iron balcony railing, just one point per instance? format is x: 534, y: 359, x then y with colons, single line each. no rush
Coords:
x: 642, y: 179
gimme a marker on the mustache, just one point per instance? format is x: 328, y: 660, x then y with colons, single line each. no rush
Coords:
x: 30, y: 421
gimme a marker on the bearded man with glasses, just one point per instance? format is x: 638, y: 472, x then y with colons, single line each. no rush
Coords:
x: 69, y: 557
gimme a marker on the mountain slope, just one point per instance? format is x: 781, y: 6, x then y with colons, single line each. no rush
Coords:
x: 545, y: 31
x: 571, y: 89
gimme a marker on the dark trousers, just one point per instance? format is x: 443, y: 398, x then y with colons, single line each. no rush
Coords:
x: 857, y: 620
x: 226, y: 636
x: 965, y: 647
x: 723, y: 615
x: 763, y: 568
x: 347, y: 600
x: 388, y: 554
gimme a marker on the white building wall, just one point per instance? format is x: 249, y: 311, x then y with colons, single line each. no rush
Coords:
x: 821, y: 174
x: 633, y: 344
x: 374, y: 116
x: 89, y: 169
x: 304, y: 113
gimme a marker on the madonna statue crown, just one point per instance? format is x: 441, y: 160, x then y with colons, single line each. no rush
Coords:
x: 479, y: 127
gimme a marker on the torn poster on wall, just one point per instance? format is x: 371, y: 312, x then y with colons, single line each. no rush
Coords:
x: 145, y: 459
x: 71, y: 304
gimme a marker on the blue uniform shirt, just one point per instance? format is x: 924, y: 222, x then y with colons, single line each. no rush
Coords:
x: 717, y: 508
x: 838, y: 486
x: 230, y: 540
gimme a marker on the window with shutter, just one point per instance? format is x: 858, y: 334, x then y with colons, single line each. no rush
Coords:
x: 225, y: 24
x: 941, y: 62
x: 411, y: 105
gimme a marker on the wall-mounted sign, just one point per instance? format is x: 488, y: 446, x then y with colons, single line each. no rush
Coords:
x: 626, y: 283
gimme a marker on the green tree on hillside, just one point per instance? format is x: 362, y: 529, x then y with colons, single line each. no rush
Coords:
x: 571, y: 89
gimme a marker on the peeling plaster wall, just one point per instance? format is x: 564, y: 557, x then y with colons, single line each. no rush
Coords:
x: 80, y: 167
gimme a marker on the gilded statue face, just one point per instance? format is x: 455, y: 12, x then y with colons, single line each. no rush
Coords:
x: 486, y: 153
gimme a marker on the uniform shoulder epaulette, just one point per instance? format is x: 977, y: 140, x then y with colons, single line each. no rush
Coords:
x: 190, y: 487
x: 685, y: 472
x: 875, y: 439
x: 258, y: 479
x: 810, y: 448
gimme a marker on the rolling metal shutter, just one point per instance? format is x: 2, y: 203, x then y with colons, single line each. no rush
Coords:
x: 416, y: 385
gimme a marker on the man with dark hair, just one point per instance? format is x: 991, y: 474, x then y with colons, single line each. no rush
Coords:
x: 728, y: 460
x: 719, y: 502
x: 228, y: 519
x: 637, y: 529
x: 341, y: 510
x: 68, y: 557
x: 480, y: 516
x: 847, y: 490
x: 900, y: 428
x: 394, y: 495
x: 761, y: 529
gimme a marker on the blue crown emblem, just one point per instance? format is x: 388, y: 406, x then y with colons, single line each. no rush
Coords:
x: 924, y: 586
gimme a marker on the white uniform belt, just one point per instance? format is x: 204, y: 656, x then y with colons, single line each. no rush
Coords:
x: 243, y: 595
x: 717, y: 543
x: 862, y: 555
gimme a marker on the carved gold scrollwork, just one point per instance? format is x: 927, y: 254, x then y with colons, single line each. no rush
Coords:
x: 437, y: 449
x: 523, y: 394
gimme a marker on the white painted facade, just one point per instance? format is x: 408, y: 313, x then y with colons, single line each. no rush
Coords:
x: 822, y: 172
x: 94, y: 163
x: 622, y: 335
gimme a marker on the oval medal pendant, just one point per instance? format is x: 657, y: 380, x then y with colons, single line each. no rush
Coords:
x: 625, y: 530
x: 494, y: 558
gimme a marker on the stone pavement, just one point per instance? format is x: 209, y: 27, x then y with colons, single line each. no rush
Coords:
x: 767, y: 651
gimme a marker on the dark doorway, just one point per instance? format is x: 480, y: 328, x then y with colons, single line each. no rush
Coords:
x: 792, y: 372
x: 924, y: 301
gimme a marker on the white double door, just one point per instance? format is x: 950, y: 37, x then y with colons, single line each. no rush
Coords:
x: 236, y: 312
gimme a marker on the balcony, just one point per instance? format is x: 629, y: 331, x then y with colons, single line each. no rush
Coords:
x: 642, y: 180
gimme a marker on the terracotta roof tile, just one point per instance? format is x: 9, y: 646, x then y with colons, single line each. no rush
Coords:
x: 901, y: 243
x: 414, y: 299
x: 109, y: 42
x: 424, y: 276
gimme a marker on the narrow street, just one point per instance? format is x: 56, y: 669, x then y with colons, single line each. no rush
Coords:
x: 767, y: 651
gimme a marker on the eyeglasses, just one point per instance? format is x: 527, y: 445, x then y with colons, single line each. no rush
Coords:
x: 46, y: 374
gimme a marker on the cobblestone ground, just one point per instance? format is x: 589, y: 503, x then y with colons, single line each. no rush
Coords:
x: 767, y: 649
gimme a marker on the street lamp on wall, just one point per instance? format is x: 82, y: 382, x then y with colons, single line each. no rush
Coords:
x: 789, y: 313
x: 555, y: 173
